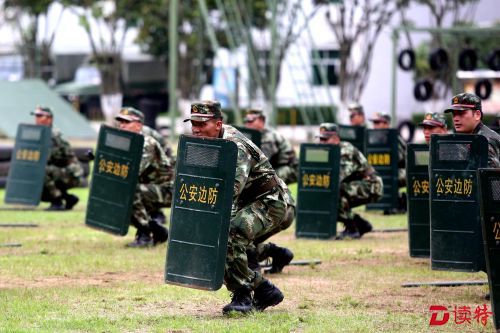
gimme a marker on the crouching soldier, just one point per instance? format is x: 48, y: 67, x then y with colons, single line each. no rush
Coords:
x: 63, y: 170
x: 262, y: 206
x: 154, y: 188
x: 359, y: 182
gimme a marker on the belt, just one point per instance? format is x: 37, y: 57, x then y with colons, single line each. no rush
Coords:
x: 257, y: 190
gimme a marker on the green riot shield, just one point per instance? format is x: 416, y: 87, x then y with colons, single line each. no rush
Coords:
x: 382, y: 154
x: 489, y: 198
x: 417, y: 189
x: 27, y: 166
x: 114, y: 180
x: 355, y: 135
x: 318, y: 191
x: 201, y: 212
x: 252, y: 134
x: 456, y: 238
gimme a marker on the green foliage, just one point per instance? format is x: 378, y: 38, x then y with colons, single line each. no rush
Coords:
x: 30, y: 7
x: 292, y: 115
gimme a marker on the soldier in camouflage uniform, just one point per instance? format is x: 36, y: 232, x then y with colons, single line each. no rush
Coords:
x: 262, y: 206
x: 63, y: 170
x: 275, y: 146
x: 157, y: 213
x: 467, y: 118
x: 356, y: 114
x: 154, y: 188
x: 282, y: 157
x: 359, y: 183
x: 433, y: 123
x: 383, y: 120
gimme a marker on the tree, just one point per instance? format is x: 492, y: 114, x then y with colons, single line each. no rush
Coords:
x: 107, y: 24
x: 358, y: 24
x: 35, y: 45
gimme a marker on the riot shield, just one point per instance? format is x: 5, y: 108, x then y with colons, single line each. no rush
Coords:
x: 318, y: 191
x: 114, y: 180
x: 355, y: 135
x: 201, y: 212
x: 417, y: 189
x: 382, y: 154
x: 27, y: 166
x: 456, y: 238
x: 252, y: 134
x: 489, y: 198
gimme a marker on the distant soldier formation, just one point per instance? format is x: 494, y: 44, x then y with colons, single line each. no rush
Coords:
x: 262, y: 204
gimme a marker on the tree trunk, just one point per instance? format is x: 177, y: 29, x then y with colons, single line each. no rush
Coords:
x: 111, y: 90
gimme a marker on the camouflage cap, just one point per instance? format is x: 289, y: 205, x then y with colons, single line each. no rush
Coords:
x: 381, y: 117
x: 204, y: 111
x: 252, y: 114
x: 326, y: 130
x: 464, y: 101
x: 434, y: 119
x: 355, y: 107
x: 42, y: 111
x: 130, y: 114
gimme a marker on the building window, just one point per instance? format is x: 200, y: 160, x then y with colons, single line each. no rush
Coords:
x: 326, y: 61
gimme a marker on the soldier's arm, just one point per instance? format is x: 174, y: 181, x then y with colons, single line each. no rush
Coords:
x: 243, y: 166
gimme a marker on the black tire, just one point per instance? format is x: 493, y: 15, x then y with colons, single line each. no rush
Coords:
x: 494, y: 60
x: 5, y: 153
x: 467, y: 60
x: 422, y: 90
x: 406, y: 59
x: 409, y: 127
x: 483, y: 89
x: 438, y: 59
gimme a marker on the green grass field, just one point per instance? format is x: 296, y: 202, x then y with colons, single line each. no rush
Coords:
x: 67, y: 277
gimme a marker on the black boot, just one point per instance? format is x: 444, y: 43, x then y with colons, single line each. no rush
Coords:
x: 267, y: 294
x: 142, y: 238
x: 56, y: 204
x: 71, y: 201
x: 281, y: 257
x: 253, y: 261
x: 241, y: 301
x: 363, y: 225
x: 350, y: 231
x: 160, y: 233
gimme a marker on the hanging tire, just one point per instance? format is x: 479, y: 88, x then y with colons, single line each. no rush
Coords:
x: 494, y: 60
x: 406, y: 130
x: 483, y: 89
x: 467, y: 60
x: 406, y: 59
x: 438, y: 59
x: 423, y: 90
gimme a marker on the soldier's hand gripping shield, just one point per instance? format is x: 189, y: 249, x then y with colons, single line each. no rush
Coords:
x: 417, y: 189
x: 201, y: 212
x: 456, y: 237
x: 254, y: 135
x: 356, y: 135
x: 318, y: 191
x: 27, y: 166
x: 489, y: 198
x: 114, y: 179
x: 382, y: 154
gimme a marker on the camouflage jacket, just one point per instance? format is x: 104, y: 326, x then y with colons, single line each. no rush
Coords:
x: 148, y: 131
x: 353, y: 164
x: 281, y: 155
x: 252, y: 166
x: 155, y: 166
x: 493, y: 144
x: 61, y: 154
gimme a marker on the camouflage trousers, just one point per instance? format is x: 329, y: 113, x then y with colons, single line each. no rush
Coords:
x: 289, y: 174
x: 60, y: 179
x: 258, y: 220
x: 150, y: 198
x: 359, y: 192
